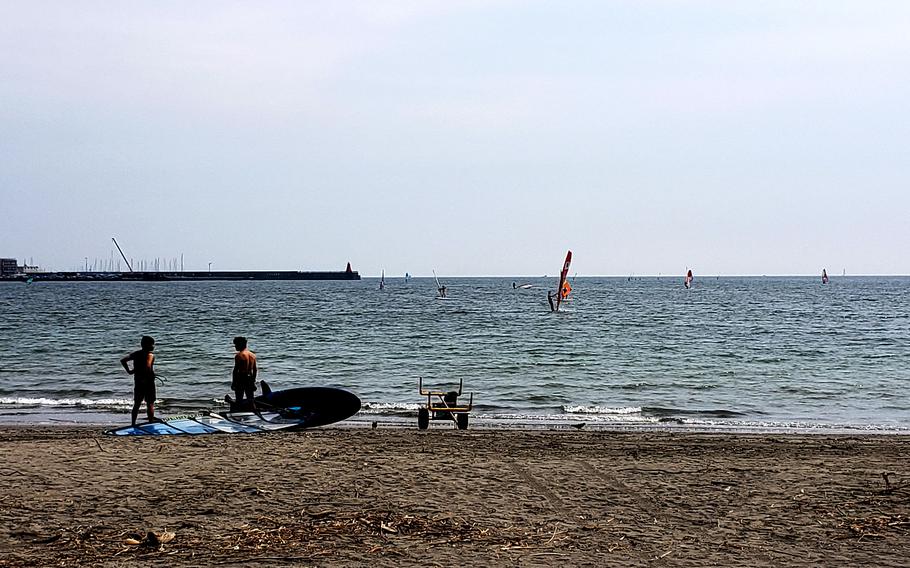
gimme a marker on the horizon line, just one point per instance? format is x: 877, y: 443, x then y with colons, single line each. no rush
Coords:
x: 661, y: 275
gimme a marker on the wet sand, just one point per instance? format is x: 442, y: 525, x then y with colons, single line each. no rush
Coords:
x: 393, y: 497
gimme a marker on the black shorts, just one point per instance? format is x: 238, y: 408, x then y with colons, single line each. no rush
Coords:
x: 144, y: 389
x: 246, y: 384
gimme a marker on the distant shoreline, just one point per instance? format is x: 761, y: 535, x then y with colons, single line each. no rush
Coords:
x: 272, y: 275
x: 188, y: 276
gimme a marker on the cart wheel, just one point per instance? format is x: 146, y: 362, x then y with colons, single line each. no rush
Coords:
x: 423, y: 419
x: 462, y: 421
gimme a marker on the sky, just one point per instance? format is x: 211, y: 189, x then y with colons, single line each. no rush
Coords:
x: 473, y: 138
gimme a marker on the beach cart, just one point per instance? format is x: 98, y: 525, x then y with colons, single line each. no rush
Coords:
x: 443, y: 405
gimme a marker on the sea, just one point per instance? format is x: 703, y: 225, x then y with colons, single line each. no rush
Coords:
x: 732, y: 353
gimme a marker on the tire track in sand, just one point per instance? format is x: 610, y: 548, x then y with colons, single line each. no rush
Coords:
x: 554, y: 502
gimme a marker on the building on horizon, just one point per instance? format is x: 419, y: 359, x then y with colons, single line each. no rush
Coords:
x: 8, y: 267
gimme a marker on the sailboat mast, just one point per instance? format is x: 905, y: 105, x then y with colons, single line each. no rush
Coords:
x: 121, y: 254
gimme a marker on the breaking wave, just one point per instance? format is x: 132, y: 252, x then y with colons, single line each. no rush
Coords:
x: 601, y: 410
x: 33, y: 402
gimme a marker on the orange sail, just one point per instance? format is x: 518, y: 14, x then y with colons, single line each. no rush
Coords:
x: 564, y: 287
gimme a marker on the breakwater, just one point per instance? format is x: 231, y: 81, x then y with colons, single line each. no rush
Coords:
x: 164, y: 276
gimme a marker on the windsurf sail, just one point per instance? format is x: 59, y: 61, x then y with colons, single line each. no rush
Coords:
x: 824, y: 276
x: 382, y: 281
x: 440, y: 289
x: 689, y: 278
x: 562, y: 292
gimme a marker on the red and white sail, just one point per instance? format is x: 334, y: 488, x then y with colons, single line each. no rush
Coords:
x: 562, y: 293
x: 689, y: 279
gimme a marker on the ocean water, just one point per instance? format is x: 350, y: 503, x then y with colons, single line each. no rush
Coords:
x: 764, y: 353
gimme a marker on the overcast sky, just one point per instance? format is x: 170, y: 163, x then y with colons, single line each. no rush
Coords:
x: 476, y: 138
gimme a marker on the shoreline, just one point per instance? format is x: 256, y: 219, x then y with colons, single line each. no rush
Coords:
x: 105, y: 420
x: 396, y: 496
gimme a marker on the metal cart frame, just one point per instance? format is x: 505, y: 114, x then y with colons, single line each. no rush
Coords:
x: 444, y: 407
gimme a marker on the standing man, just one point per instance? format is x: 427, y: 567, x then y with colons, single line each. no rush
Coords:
x: 243, y: 378
x: 143, y: 372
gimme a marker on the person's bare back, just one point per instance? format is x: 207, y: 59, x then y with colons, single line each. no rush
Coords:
x: 245, y: 363
x: 243, y: 377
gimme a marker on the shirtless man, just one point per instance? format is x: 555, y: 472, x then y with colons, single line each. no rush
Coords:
x: 243, y: 378
x: 143, y: 372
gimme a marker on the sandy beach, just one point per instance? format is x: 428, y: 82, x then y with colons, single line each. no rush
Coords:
x: 392, y: 497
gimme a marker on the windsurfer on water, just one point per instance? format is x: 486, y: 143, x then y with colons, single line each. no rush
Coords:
x: 561, y: 295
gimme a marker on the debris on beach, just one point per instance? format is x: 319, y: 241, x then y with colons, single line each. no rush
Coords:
x: 150, y: 540
x: 380, y: 531
x: 877, y: 526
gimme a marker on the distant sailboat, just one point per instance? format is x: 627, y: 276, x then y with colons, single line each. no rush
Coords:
x: 441, y: 291
x: 689, y: 278
x: 382, y: 281
x: 824, y: 276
